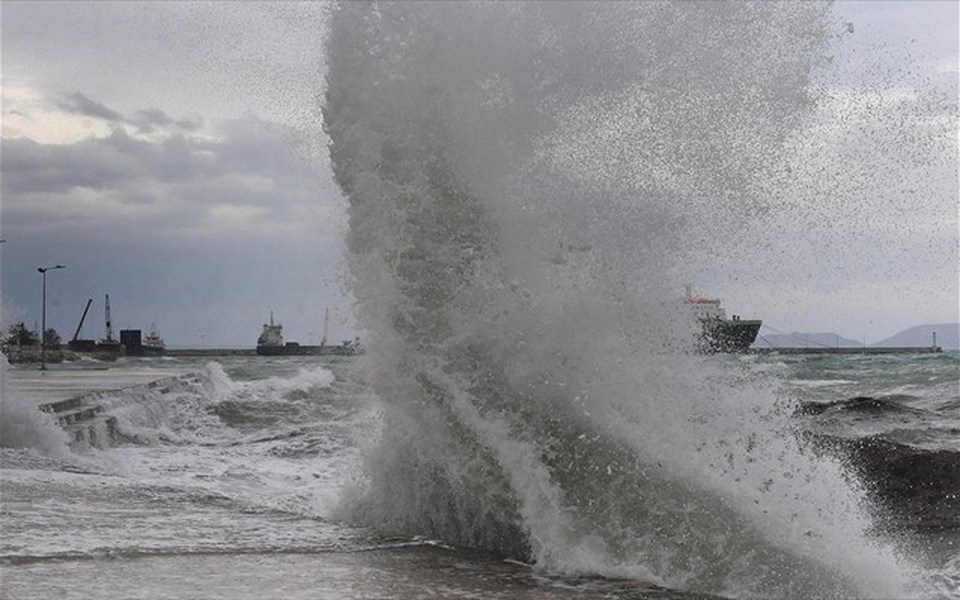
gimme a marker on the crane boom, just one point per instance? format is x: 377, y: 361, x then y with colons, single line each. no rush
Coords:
x: 109, y: 324
x: 326, y: 320
x: 76, y: 333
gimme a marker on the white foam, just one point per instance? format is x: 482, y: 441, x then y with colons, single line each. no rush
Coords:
x: 525, y: 186
x: 23, y: 425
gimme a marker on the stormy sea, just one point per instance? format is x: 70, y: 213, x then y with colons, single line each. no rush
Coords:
x: 528, y: 186
x: 290, y: 477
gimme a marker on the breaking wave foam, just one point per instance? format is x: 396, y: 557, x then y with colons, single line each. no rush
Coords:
x: 524, y: 182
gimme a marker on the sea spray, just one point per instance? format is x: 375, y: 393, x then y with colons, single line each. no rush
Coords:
x: 525, y: 182
x: 24, y: 425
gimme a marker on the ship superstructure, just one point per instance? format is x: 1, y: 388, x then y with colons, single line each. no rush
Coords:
x: 272, y: 334
x: 270, y: 343
x: 721, y: 334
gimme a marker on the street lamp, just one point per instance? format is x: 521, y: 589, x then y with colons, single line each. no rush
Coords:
x: 43, y: 318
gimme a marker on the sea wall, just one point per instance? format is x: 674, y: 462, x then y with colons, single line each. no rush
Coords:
x: 31, y: 354
x: 211, y: 352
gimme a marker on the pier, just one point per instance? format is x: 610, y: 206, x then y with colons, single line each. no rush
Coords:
x: 76, y: 397
x: 849, y: 350
x: 210, y: 352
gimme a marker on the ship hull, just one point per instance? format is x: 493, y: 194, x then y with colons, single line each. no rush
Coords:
x: 149, y: 351
x: 298, y: 350
x: 729, y: 335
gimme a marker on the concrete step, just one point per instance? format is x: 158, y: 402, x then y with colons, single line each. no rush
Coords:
x: 61, y: 405
x: 98, y: 431
x: 83, y: 412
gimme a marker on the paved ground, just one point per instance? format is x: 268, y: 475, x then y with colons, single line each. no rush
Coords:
x: 60, y: 382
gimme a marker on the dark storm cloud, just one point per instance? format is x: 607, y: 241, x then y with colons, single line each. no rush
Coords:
x: 30, y: 167
x: 118, y: 162
x: 80, y: 104
x: 185, y: 230
x: 190, y: 181
x: 151, y: 119
x: 122, y: 162
x: 148, y: 120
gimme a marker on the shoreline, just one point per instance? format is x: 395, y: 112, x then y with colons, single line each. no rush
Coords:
x: 849, y: 350
x: 19, y: 356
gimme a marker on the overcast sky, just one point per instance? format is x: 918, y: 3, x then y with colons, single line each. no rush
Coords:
x: 171, y: 155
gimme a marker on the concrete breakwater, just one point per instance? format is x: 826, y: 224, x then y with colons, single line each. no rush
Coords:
x: 210, y: 352
x: 80, y: 399
x: 85, y: 418
x: 849, y: 350
x: 31, y: 354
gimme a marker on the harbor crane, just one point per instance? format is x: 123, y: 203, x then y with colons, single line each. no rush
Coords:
x: 76, y: 334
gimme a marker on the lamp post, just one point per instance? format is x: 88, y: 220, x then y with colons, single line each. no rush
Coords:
x: 43, y: 318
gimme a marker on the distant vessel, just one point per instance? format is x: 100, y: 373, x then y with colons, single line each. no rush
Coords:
x: 271, y: 337
x: 721, y: 334
x: 134, y: 344
x: 153, y: 343
x: 270, y: 343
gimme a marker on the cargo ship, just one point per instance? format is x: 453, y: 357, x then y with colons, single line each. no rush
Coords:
x: 720, y: 334
x: 135, y: 344
x: 270, y: 343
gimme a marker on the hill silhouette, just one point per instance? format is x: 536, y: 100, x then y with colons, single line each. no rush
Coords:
x: 799, y: 339
x: 948, y: 336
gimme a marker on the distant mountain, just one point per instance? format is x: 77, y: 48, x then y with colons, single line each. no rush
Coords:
x: 948, y: 336
x: 804, y: 340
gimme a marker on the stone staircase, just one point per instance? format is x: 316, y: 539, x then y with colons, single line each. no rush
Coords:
x: 85, y: 420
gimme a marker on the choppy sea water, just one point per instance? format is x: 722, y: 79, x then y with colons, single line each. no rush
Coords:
x: 240, y: 487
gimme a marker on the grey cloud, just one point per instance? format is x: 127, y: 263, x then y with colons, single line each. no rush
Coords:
x: 114, y: 162
x: 253, y: 145
x: 29, y: 167
x: 150, y: 119
x: 150, y: 228
x: 184, y: 177
x: 80, y: 104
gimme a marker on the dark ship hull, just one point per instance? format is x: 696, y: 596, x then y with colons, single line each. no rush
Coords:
x: 148, y: 351
x: 718, y: 333
x: 135, y: 345
x: 729, y: 335
x: 294, y: 349
x: 270, y: 343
